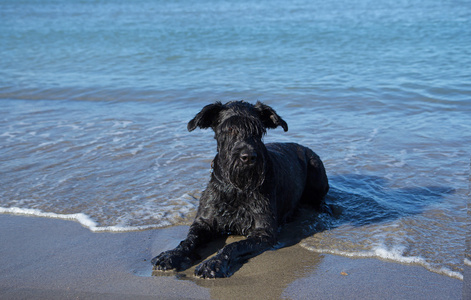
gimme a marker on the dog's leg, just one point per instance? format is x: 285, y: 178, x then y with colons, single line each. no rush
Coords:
x: 184, y: 255
x: 232, y: 255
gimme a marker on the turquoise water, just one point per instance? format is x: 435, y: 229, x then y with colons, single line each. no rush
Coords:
x: 95, y: 96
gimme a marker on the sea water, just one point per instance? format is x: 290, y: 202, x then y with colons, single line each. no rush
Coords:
x: 95, y: 97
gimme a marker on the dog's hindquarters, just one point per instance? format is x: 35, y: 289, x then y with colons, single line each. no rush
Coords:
x: 306, y: 169
x: 317, y: 184
x: 300, y: 178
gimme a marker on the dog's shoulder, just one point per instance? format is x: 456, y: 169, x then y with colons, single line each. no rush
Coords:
x: 288, y: 149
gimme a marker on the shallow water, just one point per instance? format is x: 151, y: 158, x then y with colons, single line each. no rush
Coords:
x: 95, y: 97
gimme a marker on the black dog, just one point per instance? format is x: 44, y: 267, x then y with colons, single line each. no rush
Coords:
x: 253, y: 189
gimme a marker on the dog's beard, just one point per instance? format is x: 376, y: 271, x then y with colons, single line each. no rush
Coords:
x: 246, y: 177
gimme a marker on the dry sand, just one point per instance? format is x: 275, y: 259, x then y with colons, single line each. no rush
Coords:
x: 44, y: 258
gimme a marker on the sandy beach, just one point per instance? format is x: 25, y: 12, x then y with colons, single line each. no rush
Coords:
x: 45, y: 258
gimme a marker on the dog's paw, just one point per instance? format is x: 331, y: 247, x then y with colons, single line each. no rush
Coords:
x: 215, y: 267
x: 171, y: 260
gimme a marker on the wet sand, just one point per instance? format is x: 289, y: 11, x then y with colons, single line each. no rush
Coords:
x: 44, y: 258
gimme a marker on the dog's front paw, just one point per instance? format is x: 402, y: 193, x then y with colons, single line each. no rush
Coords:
x: 172, y: 259
x: 215, y: 267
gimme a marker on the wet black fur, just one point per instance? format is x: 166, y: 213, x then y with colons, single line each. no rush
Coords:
x: 254, y: 188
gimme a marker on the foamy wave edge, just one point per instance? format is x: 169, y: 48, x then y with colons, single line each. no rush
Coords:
x: 81, y: 218
x: 392, y: 256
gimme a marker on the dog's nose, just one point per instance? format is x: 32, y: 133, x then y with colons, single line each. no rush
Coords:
x: 248, y: 157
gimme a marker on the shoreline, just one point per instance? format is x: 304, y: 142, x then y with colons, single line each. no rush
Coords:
x: 45, y: 258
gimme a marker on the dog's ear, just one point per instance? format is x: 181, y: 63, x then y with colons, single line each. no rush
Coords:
x: 206, y: 117
x: 269, y: 116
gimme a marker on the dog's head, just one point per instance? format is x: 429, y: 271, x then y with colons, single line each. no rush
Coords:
x: 239, y: 128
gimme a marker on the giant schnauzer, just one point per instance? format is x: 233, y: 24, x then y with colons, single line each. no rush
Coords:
x: 254, y: 188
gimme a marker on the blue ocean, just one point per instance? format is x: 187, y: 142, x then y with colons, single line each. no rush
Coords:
x: 95, y: 97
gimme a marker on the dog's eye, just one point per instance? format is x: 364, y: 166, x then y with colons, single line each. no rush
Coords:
x: 232, y: 131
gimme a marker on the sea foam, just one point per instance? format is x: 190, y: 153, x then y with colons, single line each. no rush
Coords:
x: 81, y: 218
x: 392, y: 255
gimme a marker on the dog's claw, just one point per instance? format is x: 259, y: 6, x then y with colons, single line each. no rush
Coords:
x: 171, y: 260
x: 215, y: 267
